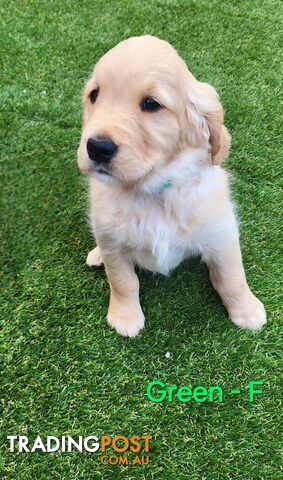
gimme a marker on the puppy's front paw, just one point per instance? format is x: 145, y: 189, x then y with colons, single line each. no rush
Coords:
x: 251, y: 316
x: 94, y: 258
x: 126, y: 320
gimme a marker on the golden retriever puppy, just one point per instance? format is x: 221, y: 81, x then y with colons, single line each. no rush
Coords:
x: 152, y: 144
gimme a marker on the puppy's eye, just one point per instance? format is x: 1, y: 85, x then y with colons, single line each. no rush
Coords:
x: 150, y: 105
x: 93, y: 95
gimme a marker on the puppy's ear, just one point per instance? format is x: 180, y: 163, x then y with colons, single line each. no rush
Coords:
x: 205, y: 116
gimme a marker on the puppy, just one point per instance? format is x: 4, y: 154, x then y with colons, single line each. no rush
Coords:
x: 152, y: 144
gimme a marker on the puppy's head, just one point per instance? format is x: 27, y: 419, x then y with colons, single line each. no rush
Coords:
x: 141, y: 108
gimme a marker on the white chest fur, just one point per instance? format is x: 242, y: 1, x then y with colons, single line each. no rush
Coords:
x: 160, y: 229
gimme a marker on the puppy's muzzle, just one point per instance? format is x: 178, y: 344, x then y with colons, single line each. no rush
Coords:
x: 101, y: 150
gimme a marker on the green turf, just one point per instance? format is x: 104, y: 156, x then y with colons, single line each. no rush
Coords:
x: 62, y: 369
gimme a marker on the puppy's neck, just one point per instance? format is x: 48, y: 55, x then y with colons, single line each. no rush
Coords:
x: 184, y: 170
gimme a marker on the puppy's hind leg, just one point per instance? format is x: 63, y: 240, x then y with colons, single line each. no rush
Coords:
x: 94, y: 258
x: 228, y: 278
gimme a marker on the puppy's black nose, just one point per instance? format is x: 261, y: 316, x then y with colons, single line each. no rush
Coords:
x: 101, y: 150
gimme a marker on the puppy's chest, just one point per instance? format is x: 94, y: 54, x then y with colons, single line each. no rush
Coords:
x: 157, y: 231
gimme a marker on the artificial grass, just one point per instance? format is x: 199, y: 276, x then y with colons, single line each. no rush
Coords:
x: 63, y: 369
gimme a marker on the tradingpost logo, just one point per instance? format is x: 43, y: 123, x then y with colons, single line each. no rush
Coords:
x: 117, y: 450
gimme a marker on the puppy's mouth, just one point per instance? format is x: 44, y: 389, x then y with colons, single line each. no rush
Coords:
x: 101, y: 170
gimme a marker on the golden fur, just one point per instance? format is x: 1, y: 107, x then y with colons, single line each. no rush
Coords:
x: 167, y: 196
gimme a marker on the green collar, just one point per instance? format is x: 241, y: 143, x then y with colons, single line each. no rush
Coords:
x: 165, y: 185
